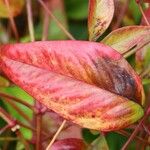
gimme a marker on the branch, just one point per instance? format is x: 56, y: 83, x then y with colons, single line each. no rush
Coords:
x: 45, y: 25
x: 134, y: 132
x: 18, y: 100
x: 13, y: 25
x: 30, y: 19
x: 56, y: 20
x: 56, y: 135
x: 24, y: 115
x: 38, y: 131
x: 143, y: 14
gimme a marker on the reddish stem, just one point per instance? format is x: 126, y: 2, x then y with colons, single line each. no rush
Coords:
x: 23, y: 114
x: 38, y: 131
x: 56, y: 135
x: 7, y: 117
x: 56, y: 20
x: 4, y: 128
x: 18, y: 100
x: 134, y: 132
x: 30, y: 19
x: 45, y: 24
x: 143, y: 14
x: 14, y: 28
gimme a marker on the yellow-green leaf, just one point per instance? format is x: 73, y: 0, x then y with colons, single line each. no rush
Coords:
x: 126, y: 38
x: 100, y: 15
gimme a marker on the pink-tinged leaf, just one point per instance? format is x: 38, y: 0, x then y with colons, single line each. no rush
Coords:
x: 69, y: 144
x: 100, y: 15
x: 87, y: 83
x: 16, y: 7
x: 130, y: 37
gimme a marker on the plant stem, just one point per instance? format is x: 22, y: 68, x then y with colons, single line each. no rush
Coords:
x: 20, y: 136
x: 56, y: 20
x: 18, y: 100
x: 45, y: 24
x: 31, y: 128
x: 134, y: 132
x: 124, y: 133
x: 38, y: 131
x: 146, y: 129
x: 56, y: 135
x: 51, y: 135
x: 30, y: 19
x: 8, y: 139
x: 6, y: 117
x: 14, y: 28
x: 143, y: 14
x: 145, y: 72
x: 24, y: 115
x: 4, y: 128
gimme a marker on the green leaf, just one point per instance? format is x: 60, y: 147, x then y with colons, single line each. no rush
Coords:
x: 88, y: 136
x: 19, y: 93
x: 77, y: 9
x: 100, y: 144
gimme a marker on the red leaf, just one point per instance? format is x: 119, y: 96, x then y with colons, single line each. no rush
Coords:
x: 69, y: 144
x: 87, y: 83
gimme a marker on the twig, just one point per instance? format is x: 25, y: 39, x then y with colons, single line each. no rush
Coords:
x: 51, y: 135
x: 4, y: 128
x: 18, y: 100
x: 38, y: 131
x: 20, y: 136
x: 14, y: 28
x: 30, y: 19
x: 145, y: 72
x: 56, y: 20
x: 8, y: 139
x: 24, y: 115
x: 45, y: 25
x: 30, y: 128
x: 55, y: 136
x: 134, y: 133
x: 143, y: 14
x: 146, y: 129
x: 124, y: 133
x: 6, y: 117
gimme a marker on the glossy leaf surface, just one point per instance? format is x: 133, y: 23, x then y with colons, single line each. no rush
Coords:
x: 100, y: 15
x: 126, y: 38
x: 85, y: 82
x: 15, y: 7
x: 69, y: 144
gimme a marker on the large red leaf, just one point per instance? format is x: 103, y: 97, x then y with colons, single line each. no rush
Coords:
x: 87, y: 83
